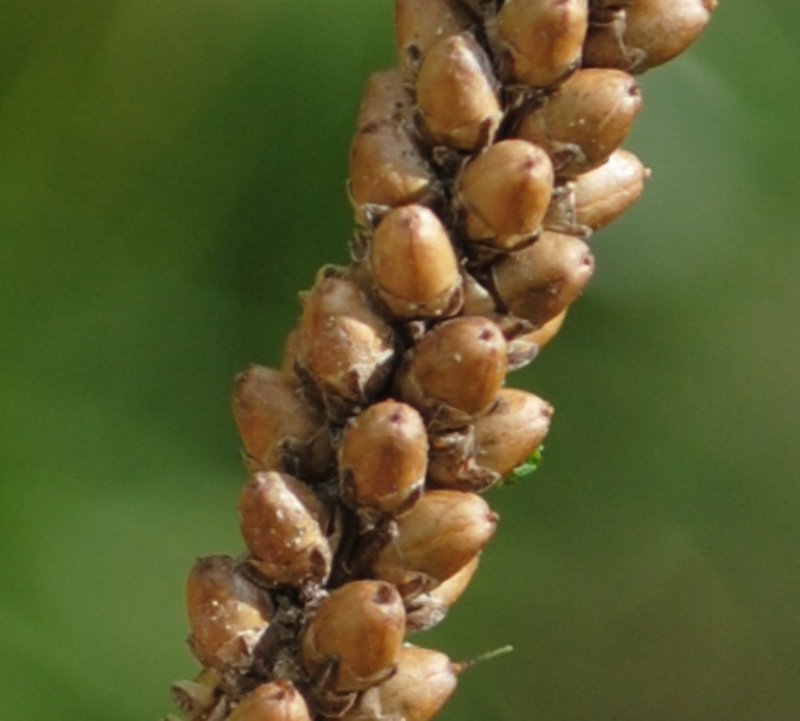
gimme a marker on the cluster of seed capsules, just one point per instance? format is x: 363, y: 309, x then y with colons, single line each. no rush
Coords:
x: 480, y: 168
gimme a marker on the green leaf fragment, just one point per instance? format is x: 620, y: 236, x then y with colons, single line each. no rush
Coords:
x: 521, y: 472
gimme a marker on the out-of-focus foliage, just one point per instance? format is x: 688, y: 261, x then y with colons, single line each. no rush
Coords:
x: 172, y: 173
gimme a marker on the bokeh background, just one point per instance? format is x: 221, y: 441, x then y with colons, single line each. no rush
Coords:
x: 172, y: 174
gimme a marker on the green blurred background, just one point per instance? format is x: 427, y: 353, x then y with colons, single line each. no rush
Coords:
x: 172, y: 173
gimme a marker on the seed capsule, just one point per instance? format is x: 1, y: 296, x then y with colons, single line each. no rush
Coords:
x: 440, y: 535
x: 540, y: 281
x: 383, y: 458
x: 353, y: 641
x: 584, y: 120
x: 454, y: 372
x: 545, y: 333
x: 605, y: 193
x: 457, y: 94
x: 387, y: 98
x: 227, y: 614
x: 496, y: 444
x: 284, y: 524
x: 388, y: 169
x: 646, y: 34
x: 424, y: 682
x: 345, y: 347
x: 275, y: 701
x: 280, y: 429
x: 413, y: 264
x: 506, y: 191
x: 543, y: 38
x: 430, y: 608
x: 420, y: 24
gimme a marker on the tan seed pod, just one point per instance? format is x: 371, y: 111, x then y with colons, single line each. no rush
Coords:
x: 284, y: 524
x: 647, y: 33
x: 457, y: 94
x: 387, y: 98
x: 585, y: 120
x: 414, y: 265
x: 424, y: 682
x: 388, y: 169
x: 505, y: 192
x: 420, y: 24
x: 496, y: 444
x: 274, y: 701
x: 383, y: 458
x: 353, y: 641
x: 543, y: 38
x: 227, y: 614
x: 540, y: 281
x: 546, y: 332
x: 440, y: 535
x: 280, y: 429
x: 344, y: 346
x: 605, y: 193
x: 430, y: 608
x: 455, y: 370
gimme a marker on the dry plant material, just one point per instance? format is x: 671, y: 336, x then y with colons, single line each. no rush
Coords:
x: 480, y: 168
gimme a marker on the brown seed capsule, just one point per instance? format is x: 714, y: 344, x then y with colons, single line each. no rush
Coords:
x: 274, y: 701
x: 280, y: 430
x: 345, y: 347
x: 284, y: 524
x: 506, y: 191
x: 545, y: 333
x: 543, y: 38
x: 387, y: 98
x: 646, y: 34
x: 538, y: 282
x: 430, y: 608
x: 457, y: 94
x: 227, y: 614
x: 413, y: 264
x: 353, y: 640
x: 440, y: 535
x: 584, y: 120
x: 387, y: 168
x: 420, y: 24
x: 383, y: 458
x: 496, y: 444
x: 454, y: 372
x: 605, y: 193
x: 424, y: 682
